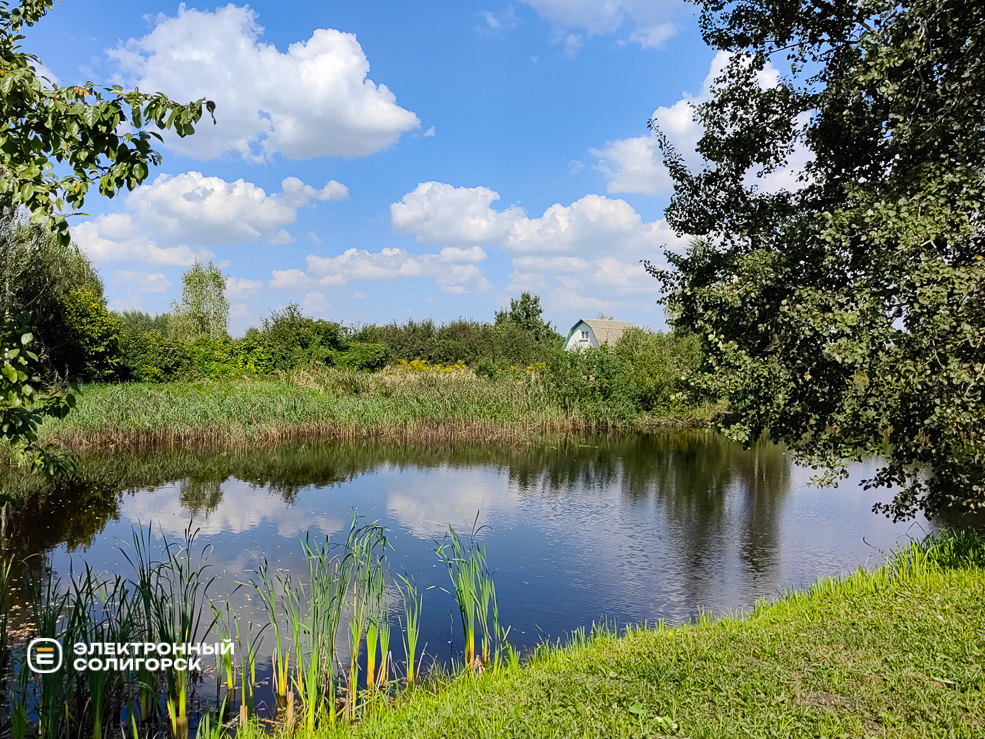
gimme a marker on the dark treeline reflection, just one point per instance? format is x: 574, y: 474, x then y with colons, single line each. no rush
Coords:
x: 698, y: 478
x: 711, y: 490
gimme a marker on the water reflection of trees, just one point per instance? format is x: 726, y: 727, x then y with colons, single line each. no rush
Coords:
x: 711, y: 492
x: 695, y: 477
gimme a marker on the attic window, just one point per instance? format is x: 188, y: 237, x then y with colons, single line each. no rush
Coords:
x: 584, y: 336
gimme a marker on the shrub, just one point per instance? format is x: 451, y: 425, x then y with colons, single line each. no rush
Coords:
x: 151, y: 357
x: 89, y: 342
x: 412, y: 340
x: 251, y: 354
x: 290, y: 339
x: 361, y: 356
x: 658, y: 364
x: 595, y: 383
x: 212, y: 359
x: 57, y: 284
x: 137, y: 322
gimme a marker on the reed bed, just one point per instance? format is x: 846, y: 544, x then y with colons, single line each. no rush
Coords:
x: 345, y: 595
x: 429, y: 407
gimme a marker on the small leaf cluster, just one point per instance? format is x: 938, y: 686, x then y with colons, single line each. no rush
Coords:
x: 24, y: 404
x: 98, y: 136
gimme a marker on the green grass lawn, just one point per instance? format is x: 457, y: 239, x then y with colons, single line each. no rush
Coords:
x: 874, y: 655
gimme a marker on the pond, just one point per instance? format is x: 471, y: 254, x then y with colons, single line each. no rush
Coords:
x: 623, y: 528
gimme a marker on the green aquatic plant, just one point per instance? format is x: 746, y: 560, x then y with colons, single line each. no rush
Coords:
x: 364, y: 563
x: 267, y: 587
x: 413, y: 603
x: 5, y: 569
x: 48, y: 605
x: 98, y: 612
x: 474, y: 591
x: 383, y: 627
x: 173, y: 594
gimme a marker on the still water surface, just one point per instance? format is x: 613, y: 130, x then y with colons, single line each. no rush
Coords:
x: 624, y: 528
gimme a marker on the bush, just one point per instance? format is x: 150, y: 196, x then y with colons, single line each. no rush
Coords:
x: 594, y: 383
x: 89, y: 343
x: 658, y: 364
x: 412, y: 340
x: 138, y: 322
x: 361, y: 356
x: 61, y: 290
x: 290, y: 339
x: 151, y: 357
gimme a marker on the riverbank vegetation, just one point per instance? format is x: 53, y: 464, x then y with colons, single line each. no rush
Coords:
x: 896, y: 652
x: 178, y: 378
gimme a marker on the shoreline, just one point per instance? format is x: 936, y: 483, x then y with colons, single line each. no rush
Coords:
x: 893, y: 652
x: 242, y: 414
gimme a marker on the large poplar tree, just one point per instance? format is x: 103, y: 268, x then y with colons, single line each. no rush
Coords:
x: 845, y: 314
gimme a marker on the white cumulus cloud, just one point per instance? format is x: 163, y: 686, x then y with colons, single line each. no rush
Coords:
x: 453, y: 270
x: 177, y: 218
x: 315, y: 303
x: 240, y: 288
x: 116, y: 237
x: 635, y: 165
x: 595, y: 240
x: 313, y: 100
x: 440, y: 214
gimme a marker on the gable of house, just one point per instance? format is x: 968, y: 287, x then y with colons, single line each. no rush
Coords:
x: 595, y: 332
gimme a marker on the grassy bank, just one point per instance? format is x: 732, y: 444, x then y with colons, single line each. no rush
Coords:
x: 432, y: 405
x: 895, y: 653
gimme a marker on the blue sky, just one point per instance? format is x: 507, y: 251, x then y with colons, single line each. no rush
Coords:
x: 390, y: 160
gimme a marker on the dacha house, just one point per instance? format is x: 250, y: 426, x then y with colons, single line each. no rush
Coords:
x: 594, y: 332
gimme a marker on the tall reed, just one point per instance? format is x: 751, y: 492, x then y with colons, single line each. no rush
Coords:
x: 100, y: 612
x: 173, y: 593
x: 48, y: 605
x: 364, y: 563
x: 413, y: 603
x: 474, y: 592
x: 266, y: 587
x: 5, y: 569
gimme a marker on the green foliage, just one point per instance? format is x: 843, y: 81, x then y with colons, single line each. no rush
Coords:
x: 292, y: 339
x: 946, y: 549
x: 57, y: 284
x: 81, y: 127
x: 659, y: 365
x: 845, y: 315
x: 93, y: 335
x: 149, y: 356
x: 596, y: 383
x: 491, y: 346
x: 203, y: 311
x: 526, y: 313
x: 23, y: 402
x: 137, y: 322
x: 361, y: 356
x: 411, y: 340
